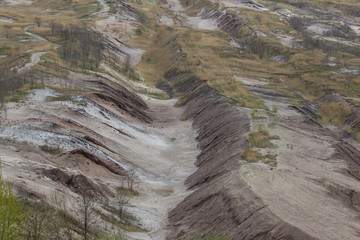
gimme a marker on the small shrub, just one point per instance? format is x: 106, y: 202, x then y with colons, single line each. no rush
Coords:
x: 183, y: 118
x: 271, y: 157
x: 138, y: 32
x: 274, y: 108
x: 251, y: 155
x: 128, y: 192
x: 253, y: 112
x: 254, y: 115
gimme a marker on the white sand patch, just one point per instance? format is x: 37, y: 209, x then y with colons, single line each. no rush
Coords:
x: 19, y: 2
x: 355, y: 28
x: 280, y: 58
x: 236, y: 44
x: 288, y: 39
x: 251, y: 81
x: 338, y: 40
x: 102, y: 115
x: 166, y: 20
x: 319, y: 28
x: 248, y: 4
x: 42, y: 94
x: 270, y: 104
x: 332, y: 61
x: 198, y: 22
x: 35, y: 59
x: 6, y: 20
x: 351, y: 70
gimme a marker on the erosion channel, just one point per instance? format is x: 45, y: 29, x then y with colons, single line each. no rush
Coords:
x: 181, y: 119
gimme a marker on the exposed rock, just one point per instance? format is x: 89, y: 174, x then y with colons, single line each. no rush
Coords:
x: 280, y: 58
x: 78, y: 183
x: 121, y: 98
x: 86, y: 155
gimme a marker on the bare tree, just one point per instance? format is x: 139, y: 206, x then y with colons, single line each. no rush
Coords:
x: 7, y: 29
x: 38, y: 21
x: 82, y: 47
x: 87, y: 215
x: 258, y: 17
x: 130, y: 178
x: 349, y: 80
x: 62, y: 223
x: 256, y: 46
x: 121, y: 200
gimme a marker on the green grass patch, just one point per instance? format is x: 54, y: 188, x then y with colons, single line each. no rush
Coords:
x: 255, y: 115
x: 112, y: 6
x: 128, y: 192
x: 127, y: 226
x: 51, y: 150
x: 114, y: 211
x: 60, y: 98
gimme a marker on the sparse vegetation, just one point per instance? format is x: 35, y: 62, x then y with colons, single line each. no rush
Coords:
x: 255, y: 114
x: 274, y: 108
x: 183, y: 118
x: 127, y: 226
x: 129, y: 192
x: 261, y: 138
x: 335, y: 113
x: 51, y: 150
x: 251, y: 155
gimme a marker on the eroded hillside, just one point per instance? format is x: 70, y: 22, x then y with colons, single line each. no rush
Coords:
x: 182, y: 119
